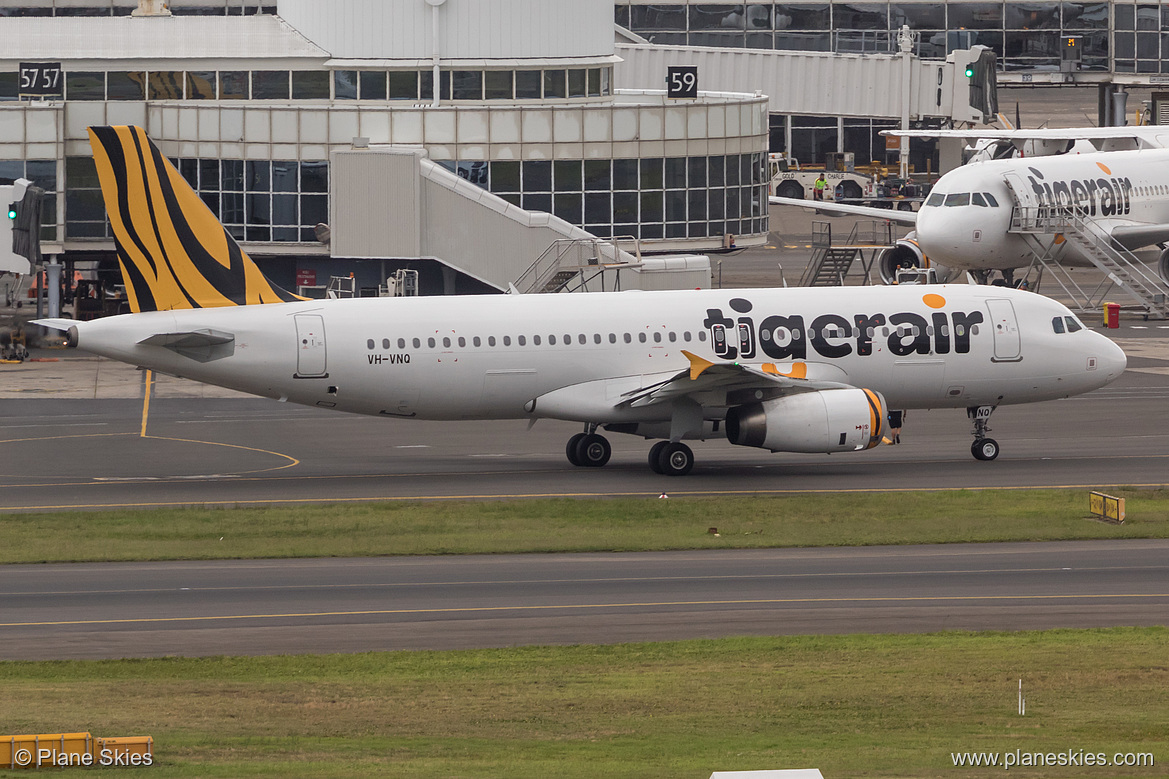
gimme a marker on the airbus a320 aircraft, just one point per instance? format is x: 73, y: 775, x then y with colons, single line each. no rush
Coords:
x: 793, y: 370
x: 965, y: 224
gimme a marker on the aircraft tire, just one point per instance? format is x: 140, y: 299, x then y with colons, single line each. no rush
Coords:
x: 676, y: 459
x: 655, y: 456
x: 572, y: 449
x: 985, y: 449
x: 593, y: 451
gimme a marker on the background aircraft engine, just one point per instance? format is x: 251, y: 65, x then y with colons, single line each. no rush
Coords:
x: 905, y: 253
x: 1163, y: 266
x: 835, y: 420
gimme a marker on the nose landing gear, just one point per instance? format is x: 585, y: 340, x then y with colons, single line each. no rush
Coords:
x: 983, y: 448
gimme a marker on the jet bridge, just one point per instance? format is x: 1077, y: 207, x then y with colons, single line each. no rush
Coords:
x: 961, y: 88
x: 437, y: 215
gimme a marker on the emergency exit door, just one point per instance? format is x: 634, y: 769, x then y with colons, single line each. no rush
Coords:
x: 310, y: 346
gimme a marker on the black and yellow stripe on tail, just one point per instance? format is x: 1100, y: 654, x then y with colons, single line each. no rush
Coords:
x: 173, y: 251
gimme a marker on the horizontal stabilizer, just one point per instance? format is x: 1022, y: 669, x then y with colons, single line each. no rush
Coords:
x: 846, y: 209
x: 200, y: 345
x: 55, y: 324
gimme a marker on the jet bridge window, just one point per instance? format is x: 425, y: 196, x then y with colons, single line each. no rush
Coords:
x: 1057, y: 325
x: 958, y: 199
x: 936, y: 199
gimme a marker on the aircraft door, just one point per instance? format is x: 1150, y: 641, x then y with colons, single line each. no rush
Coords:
x: 310, y: 343
x: 1007, y: 342
x: 1027, y: 214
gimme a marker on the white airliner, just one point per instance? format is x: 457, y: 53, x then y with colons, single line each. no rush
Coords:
x: 794, y: 370
x: 1122, y: 186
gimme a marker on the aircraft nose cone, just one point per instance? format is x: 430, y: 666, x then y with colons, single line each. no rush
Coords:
x: 1112, y: 359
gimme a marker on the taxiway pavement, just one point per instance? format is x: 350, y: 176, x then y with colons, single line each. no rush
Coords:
x: 354, y: 605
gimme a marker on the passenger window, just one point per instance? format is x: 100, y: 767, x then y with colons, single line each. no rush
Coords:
x: 686, y: 336
x: 959, y: 330
x: 417, y: 344
x: 551, y: 340
x: 476, y: 341
x: 491, y: 340
x: 385, y: 343
x: 641, y: 337
x: 958, y: 199
x: 507, y: 340
x: 702, y: 335
x: 673, y: 336
x: 401, y: 343
x: 369, y: 344
x: 596, y: 338
x: 628, y: 339
x: 657, y: 338
x: 936, y: 199
x: 581, y: 338
x: 430, y: 342
x: 974, y: 329
x: 1073, y: 324
x: 446, y: 342
x: 521, y: 340
x: 1057, y: 325
x: 567, y: 339
x: 462, y: 342
x: 612, y: 338
x: 976, y: 198
x: 990, y: 199
x: 535, y: 340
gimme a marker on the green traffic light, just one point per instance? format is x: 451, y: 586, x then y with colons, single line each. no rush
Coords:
x: 12, y: 213
x: 969, y: 71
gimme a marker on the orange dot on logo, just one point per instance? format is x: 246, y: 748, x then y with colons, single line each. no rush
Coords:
x: 933, y: 301
x: 1104, y: 168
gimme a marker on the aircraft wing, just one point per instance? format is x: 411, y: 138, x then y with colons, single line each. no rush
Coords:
x: 1101, y: 137
x: 847, y: 209
x: 1135, y: 236
x: 705, y: 376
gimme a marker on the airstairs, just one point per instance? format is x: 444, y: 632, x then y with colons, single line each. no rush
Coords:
x: 572, y: 264
x: 830, y: 262
x: 1121, y: 268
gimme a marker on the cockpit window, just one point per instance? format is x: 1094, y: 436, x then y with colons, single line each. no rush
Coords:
x: 958, y: 199
x: 990, y: 199
x: 1057, y: 325
x: 976, y: 198
x: 1073, y: 324
x: 936, y: 199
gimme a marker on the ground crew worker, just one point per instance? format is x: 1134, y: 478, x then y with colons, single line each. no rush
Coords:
x: 818, y: 188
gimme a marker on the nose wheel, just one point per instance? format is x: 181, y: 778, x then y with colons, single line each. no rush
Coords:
x: 983, y: 448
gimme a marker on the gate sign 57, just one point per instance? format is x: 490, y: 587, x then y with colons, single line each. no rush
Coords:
x: 41, y: 79
x: 682, y: 81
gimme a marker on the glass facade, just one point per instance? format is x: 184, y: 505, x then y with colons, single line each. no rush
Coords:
x: 1024, y: 35
x: 125, y: 7
x: 377, y: 85
x: 647, y: 198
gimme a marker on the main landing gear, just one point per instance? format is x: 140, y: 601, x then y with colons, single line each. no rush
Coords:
x: 983, y: 448
x: 590, y: 450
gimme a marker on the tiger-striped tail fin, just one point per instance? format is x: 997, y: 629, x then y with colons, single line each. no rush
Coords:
x: 173, y: 251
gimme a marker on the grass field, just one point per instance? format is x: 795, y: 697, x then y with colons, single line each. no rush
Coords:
x: 853, y: 706
x: 680, y: 522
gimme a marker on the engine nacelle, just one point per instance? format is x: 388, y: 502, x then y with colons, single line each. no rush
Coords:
x: 905, y: 253
x: 1163, y: 266
x: 834, y: 420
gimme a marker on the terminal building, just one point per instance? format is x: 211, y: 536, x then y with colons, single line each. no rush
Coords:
x: 263, y: 108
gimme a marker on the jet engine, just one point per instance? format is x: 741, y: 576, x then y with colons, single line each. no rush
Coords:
x: 905, y: 253
x: 834, y: 420
x: 1163, y: 266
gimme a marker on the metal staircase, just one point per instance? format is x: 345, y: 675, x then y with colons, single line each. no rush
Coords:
x: 571, y: 264
x: 830, y: 263
x: 1121, y: 267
